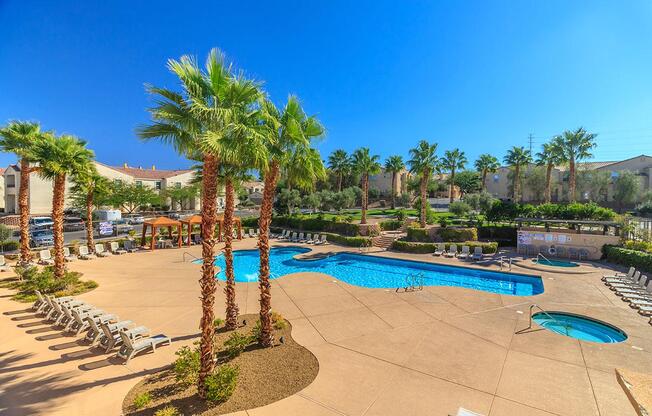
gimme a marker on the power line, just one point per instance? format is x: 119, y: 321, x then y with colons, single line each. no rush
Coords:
x: 530, y: 139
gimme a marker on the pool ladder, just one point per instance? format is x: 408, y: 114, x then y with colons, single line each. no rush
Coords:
x: 505, y: 262
x: 185, y: 253
x: 534, y: 305
x: 413, y: 282
x: 543, y: 257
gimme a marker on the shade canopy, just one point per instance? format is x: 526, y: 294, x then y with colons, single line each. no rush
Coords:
x: 160, y: 222
x: 192, y: 220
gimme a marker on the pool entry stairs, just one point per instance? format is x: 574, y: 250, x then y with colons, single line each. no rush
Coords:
x: 383, y: 241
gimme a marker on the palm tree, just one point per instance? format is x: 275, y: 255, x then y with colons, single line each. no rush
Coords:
x: 19, y: 137
x: 575, y: 146
x: 517, y: 157
x: 287, y: 132
x: 340, y: 163
x: 93, y: 189
x: 202, y: 123
x: 550, y: 155
x: 452, y: 161
x: 58, y: 158
x: 486, y: 163
x: 365, y: 164
x: 394, y: 164
x: 423, y: 162
x: 304, y: 169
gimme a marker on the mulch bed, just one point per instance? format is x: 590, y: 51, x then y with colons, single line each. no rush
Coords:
x: 266, y: 375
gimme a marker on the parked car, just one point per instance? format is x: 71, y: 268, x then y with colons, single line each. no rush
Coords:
x: 73, y: 224
x: 38, y: 223
x: 137, y: 219
x: 39, y: 238
x: 122, y: 227
x: 174, y: 216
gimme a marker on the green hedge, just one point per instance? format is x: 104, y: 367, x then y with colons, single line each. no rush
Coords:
x: 358, y: 241
x: 629, y: 258
x: 458, y: 234
x: 417, y: 247
x: 508, y: 211
x: 390, y: 225
x: 504, y: 235
x: 250, y: 222
x: 418, y: 234
x: 638, y: 246
x: 10, y: 245
x: 315, y: 224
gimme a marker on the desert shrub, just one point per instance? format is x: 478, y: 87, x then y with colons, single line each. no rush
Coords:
x: 638, y: 245
x: 10, y: 245
x: 278, y: 321
x: 418, y: 234
x: 420, y: 248
x: 390, y: 225
x: 221, y: 384
x: 508, y: 211
x: 186, y: 366
x: 457, y: 234
x: 401, y: 215
x: 459, y: 208
x: 217, y: 322
x: 236, y: 344
x: 619, y: 255
x: 32, y: 279
x: 167, y: 411
x: 142, y: 400
x: 349, y: 241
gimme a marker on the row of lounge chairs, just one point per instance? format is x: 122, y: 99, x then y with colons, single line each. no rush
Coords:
x: 45, y: 256
x: 293, y: 237
x: 634, y: 288
x: 103, y: 330
x: 463, y: 255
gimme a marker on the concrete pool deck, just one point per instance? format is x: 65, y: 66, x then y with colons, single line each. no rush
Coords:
x: 380, y: 352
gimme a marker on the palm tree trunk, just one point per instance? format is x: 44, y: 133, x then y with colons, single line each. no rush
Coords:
x: 23, y: 206
x: 484, y: 179
x: 548, y: 183
x: 393, y: 190
x: 424, y: 188
x: 571, y: 181
x: 339, y: 182
x: 90, y: 243
x: 207, y: 281
x: 58, y: 197
x: 516, y: 182
x: 450, y: 192
x: 266, y: 334
x: 229, y: 290
x: 365, y: 190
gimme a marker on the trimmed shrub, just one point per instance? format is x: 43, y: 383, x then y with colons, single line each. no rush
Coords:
x: 508, y: 211
x: 221, y: 384
x: 418, y: 234
x: 390, y: 225
x: 142, y: 400
x: 316, y: 224
x: 186, y: 366
x: 167, y: 411
x: 236, y: 344
x: 457, y: 234
x: 417, y: 247
x: 349, y: 241
x: 638, y: 245
x: 10, y: 245
x: 627, y: 257
x: 250, y: 222
x: 459, y: 208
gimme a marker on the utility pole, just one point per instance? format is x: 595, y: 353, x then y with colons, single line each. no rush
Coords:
x: 530, y: 138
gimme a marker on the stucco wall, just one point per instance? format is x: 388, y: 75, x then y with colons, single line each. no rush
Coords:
x: 591, y: 242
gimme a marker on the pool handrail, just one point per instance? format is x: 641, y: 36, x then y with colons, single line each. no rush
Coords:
x: 544, y: 257
x: 189, y: 254
x: 534, y: 305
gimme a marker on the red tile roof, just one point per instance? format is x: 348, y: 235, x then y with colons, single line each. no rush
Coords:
x: 151, y: 174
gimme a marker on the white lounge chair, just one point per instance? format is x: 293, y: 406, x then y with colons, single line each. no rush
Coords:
x: 115, y: 248
x: 308, y: 239
x: 322, y: 240
x: 313, y: 240
x: 95, y: 331
x: 132, y: 347
x: 647, y: 289
x: 131, y: 248
x: 465, y: 253
x: 101, y: 251
x: 111, y: 338
x: 285, y: 234
x: 645, y: 310
x: 3, y: 264
x: 464, y: 412
x: 251, y: 233
x: 477, y: 254
x: 440, y: 250
x: 302, y: 238
x: 257, y: 232
x: 622, y: 279
x: 630, y: 273
x: 294, y: 238
x: 84, y: 254
x: 80, y: 323
x: 67, y: 255
x: 452, y: 251
x: 638, y: 281
x: 45, y: 257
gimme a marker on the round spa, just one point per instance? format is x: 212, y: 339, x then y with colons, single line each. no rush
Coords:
x: 554, y: 263
x: 579, y: 327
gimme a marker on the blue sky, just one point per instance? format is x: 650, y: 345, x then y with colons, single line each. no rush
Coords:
x: 478, y: 75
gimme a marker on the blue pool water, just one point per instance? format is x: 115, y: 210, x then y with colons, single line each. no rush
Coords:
x: 580, y: 327
x: 555, y: 263
x: 379, y: 272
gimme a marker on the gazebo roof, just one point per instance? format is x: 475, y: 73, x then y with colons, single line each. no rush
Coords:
x: 162, y: 222
x: 193, y: 219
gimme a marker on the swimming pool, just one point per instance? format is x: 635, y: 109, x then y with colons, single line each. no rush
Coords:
x: 379, y: 272
x: 555, y: 263
x: 579, y: 327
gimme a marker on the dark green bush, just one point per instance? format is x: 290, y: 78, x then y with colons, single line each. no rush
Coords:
x: 349, y: 241
x: 221, y: 384
x: 627, y: 257
x: 418, y: 247
x: 10, y: 245
x: 250, y: 222
x: 638, y: 245
x: 32, y: 279
x: 508, y: 211
x: 418, y: 234
x: 390, y: 225
x: 457, y: 234
x: 314, y: 223
x: 236, y: 344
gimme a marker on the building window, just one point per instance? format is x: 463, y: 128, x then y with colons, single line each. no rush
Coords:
x: 139, y: 183
x: 158, y: 185
x: 11, y: 181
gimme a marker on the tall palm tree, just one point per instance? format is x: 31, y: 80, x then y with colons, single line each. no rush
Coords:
x: 19, y: 137
x: 575, y: 145
x: 365, y: 164
x: 93, y: 188
x: 58, y: 158
x: 550, y: 155
x: 304, y: 169
x: 394, y: 164
x: 340, y: 163
x: 452, y: 161
x: 516, y: 158
x: 486, y: 163
x: 287, y: 132
x: 423, y: 161
x: 201, y: 122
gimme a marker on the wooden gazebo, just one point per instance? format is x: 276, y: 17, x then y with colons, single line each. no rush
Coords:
x: 189, y: 222
x: 236, y: 222
x: 160, y: 222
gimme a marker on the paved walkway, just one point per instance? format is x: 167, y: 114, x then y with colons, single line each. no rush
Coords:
x: 380, y: 352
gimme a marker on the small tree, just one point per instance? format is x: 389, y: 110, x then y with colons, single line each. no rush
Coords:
x: 468, y: 182
x: 535, y: 182
x: 5, y: 234
x: 288, y: 199
x: 626, y: 188
x: 312, y: 201
x: 130, y: 197
x: 459, y: 208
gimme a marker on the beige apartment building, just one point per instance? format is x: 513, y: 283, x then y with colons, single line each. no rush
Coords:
x: 383, y: 182
x: 499, y: 184
x: 40, y: 190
